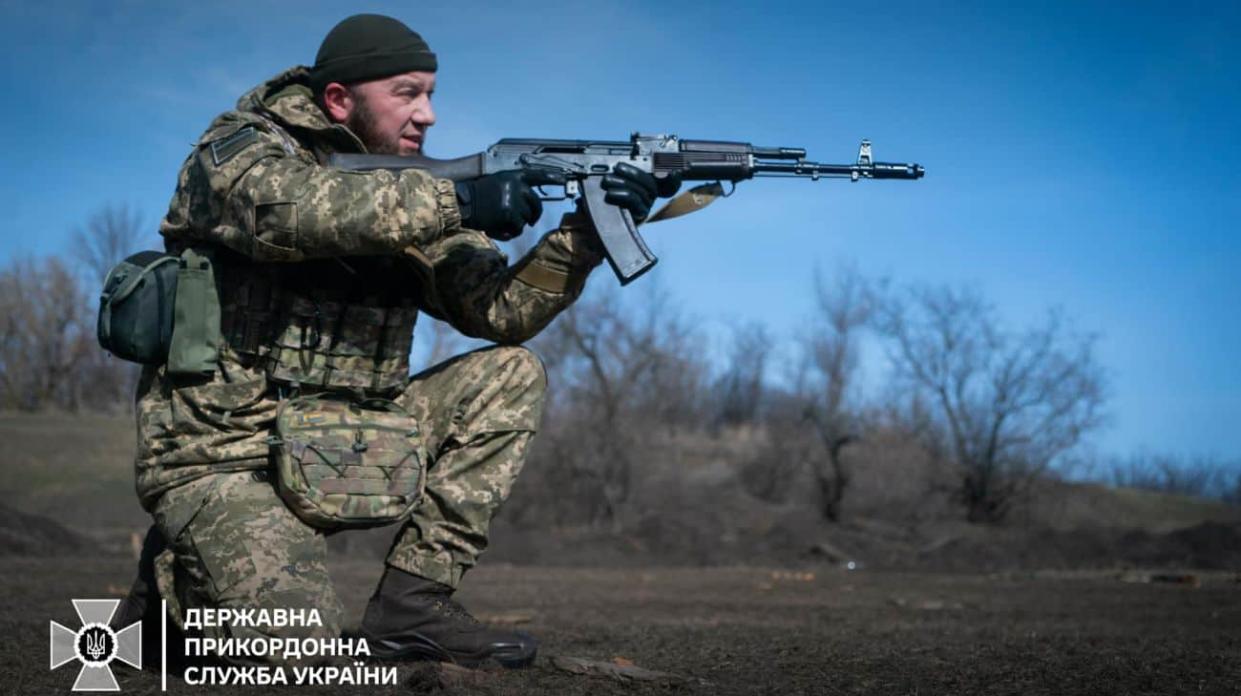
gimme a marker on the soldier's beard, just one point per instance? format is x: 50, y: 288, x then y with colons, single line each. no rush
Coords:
x: 363, y: 124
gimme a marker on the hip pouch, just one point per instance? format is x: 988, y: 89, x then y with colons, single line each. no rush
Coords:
x: 345, y: 463
x: 158, y: 309
x: 136, y: 307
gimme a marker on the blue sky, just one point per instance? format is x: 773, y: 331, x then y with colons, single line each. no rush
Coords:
x: 1081, y: 155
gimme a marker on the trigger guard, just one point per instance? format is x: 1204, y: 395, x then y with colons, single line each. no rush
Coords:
x: 545, y: 196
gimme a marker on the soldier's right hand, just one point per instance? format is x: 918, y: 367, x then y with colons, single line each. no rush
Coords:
x: 501, y: 204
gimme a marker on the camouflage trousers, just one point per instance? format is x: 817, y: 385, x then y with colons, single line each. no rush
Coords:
x: 233, y: 543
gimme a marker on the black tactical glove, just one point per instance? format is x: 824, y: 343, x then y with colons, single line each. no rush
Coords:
x: 501, y: 204
x: 634, y: 190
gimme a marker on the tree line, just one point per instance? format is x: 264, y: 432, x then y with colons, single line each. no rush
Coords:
x: 989, y: 407
x: 994, y: 406
x: 49, y: 357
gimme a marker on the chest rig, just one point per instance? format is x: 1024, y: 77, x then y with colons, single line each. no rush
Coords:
x: 329, y: 324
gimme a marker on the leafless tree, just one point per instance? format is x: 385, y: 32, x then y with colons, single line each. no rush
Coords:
x: 739, y: 390
x: 582, y: 350
x: 619, y: 374
x: 831, y: 351
x: 808, y: 423
x: 788, y: 448
x: 1201, y: 476
x: 43, y: 334
x: 1009, y: 403
x: 48, y: 354
x: 112, y: 233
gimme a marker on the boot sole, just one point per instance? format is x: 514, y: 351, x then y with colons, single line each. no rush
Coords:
x: 421, y: 648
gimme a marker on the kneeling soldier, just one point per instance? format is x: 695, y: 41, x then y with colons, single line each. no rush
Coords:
x: 320, y: 275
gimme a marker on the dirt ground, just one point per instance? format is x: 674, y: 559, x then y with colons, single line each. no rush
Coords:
x: 754, y: 630
x: 937, y: 607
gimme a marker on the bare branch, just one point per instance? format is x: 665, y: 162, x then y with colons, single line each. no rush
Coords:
x: 1010, y: 402
x: 111, y: 234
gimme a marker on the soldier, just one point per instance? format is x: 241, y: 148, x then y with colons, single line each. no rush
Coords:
x: 321, y: 274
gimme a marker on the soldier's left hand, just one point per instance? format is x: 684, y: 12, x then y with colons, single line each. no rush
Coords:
x: 635, y: 190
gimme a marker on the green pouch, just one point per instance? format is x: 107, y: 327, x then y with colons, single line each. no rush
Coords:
x: 196, y: 339
x: 135, y: 308
x: 347, y: 464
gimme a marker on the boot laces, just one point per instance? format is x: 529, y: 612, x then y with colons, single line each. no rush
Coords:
x: 448, y: 607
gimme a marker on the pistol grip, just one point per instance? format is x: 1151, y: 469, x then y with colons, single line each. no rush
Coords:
x: 625, y: 249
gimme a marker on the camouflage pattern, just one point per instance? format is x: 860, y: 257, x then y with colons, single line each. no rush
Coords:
x: 271, y: 201
x: 235, y: 544
x: 320, y: 275
x: 343, y: 464
x: 480, y: 412
x: 360, y: 346
x: 189, y: 430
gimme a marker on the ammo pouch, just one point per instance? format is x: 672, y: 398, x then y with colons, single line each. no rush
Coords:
x: 156, y: 308
x: 348, y: 464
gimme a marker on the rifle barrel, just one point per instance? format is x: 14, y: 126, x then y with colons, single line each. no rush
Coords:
x: 878, y: 170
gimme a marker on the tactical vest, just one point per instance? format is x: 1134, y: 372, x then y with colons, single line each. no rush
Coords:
x: 331, y: 324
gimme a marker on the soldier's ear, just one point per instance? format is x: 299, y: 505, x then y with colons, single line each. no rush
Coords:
x: 338, y: 102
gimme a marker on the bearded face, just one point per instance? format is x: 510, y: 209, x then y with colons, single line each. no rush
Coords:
x: 390, y: 116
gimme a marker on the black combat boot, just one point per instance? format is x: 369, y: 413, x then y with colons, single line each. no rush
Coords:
x: 412, y: 618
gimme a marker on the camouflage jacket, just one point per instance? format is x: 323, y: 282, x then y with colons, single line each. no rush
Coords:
x: 321, y: 274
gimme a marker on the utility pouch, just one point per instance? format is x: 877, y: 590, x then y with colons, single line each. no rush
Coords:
x: 156, y: 308
x: 195, y: 345
x: 348, y: 464
x: 136, y: 308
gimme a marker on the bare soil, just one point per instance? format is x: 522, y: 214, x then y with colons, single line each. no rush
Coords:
x: 756, y: 630
x: 1086, y: 590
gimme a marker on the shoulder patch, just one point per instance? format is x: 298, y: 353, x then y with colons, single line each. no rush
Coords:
x: 224, y: 149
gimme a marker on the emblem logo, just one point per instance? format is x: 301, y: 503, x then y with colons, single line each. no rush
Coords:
x: 96, y: 645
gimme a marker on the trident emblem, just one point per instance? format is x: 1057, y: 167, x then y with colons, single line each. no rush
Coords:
x: 96, y: 645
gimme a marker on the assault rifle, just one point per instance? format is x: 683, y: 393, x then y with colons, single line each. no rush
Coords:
x: 584, y: 162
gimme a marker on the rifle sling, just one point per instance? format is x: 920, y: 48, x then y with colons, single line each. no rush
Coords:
x: 690, y: 201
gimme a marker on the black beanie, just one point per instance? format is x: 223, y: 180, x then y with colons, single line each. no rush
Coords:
x: 369, y: 47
